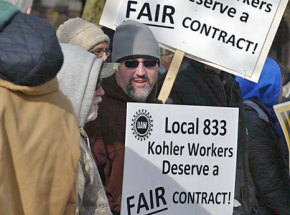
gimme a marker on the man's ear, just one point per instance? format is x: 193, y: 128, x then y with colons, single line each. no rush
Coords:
x: 28, y: 10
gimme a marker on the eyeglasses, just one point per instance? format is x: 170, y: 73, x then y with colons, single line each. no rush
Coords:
x: 99, y: 52
x: 135, y: 63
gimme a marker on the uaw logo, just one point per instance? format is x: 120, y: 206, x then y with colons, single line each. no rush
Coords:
x: 142, y: 125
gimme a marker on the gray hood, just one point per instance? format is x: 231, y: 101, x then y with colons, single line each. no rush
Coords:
x: 78, y: 78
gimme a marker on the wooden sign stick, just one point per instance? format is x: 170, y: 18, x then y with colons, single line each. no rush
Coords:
x: 171, y: 76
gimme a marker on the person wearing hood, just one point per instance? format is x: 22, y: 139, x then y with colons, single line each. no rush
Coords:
x: 79, y: 79
x: 268, y: 154
x: 137, y: 52
x: 39, y: 141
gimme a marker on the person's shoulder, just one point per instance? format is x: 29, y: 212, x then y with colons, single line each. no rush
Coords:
x: 255, y: 114
x: 187, y: 71
x: 251, y: 113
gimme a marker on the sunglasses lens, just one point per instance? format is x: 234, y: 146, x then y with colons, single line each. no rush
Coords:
x: 135, y: 63
x: 149, y: 63
x: 131, y: 63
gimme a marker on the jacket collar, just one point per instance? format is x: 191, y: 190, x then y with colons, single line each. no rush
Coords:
x: 46, y: 88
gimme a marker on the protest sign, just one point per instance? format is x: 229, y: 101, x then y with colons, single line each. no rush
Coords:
x: 179, y: 159
x: 283, y: 113
x: 231, y: 35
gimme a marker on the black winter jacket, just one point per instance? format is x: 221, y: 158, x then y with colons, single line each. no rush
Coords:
x: 266, y: 160
x: 197, y: 85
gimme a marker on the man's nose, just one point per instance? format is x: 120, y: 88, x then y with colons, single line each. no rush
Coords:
x: 140, y: 70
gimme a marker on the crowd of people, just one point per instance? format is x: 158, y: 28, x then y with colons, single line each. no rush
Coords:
x: 63, y: 115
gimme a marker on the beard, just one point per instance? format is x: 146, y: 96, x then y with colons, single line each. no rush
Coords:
x: 141, y: 94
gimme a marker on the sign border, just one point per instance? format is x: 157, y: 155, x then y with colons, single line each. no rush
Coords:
x: 112, y: 7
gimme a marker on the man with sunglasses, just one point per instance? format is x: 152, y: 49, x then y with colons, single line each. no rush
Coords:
x: 137, y: 53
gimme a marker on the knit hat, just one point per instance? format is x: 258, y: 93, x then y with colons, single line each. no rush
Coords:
x: 81, y: 33
x: 132, y: 40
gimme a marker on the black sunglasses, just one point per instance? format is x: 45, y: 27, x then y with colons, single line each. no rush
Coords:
x: 135, y: 63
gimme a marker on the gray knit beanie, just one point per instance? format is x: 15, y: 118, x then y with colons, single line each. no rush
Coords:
x: 81, y: 33
x: 133, y: 39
